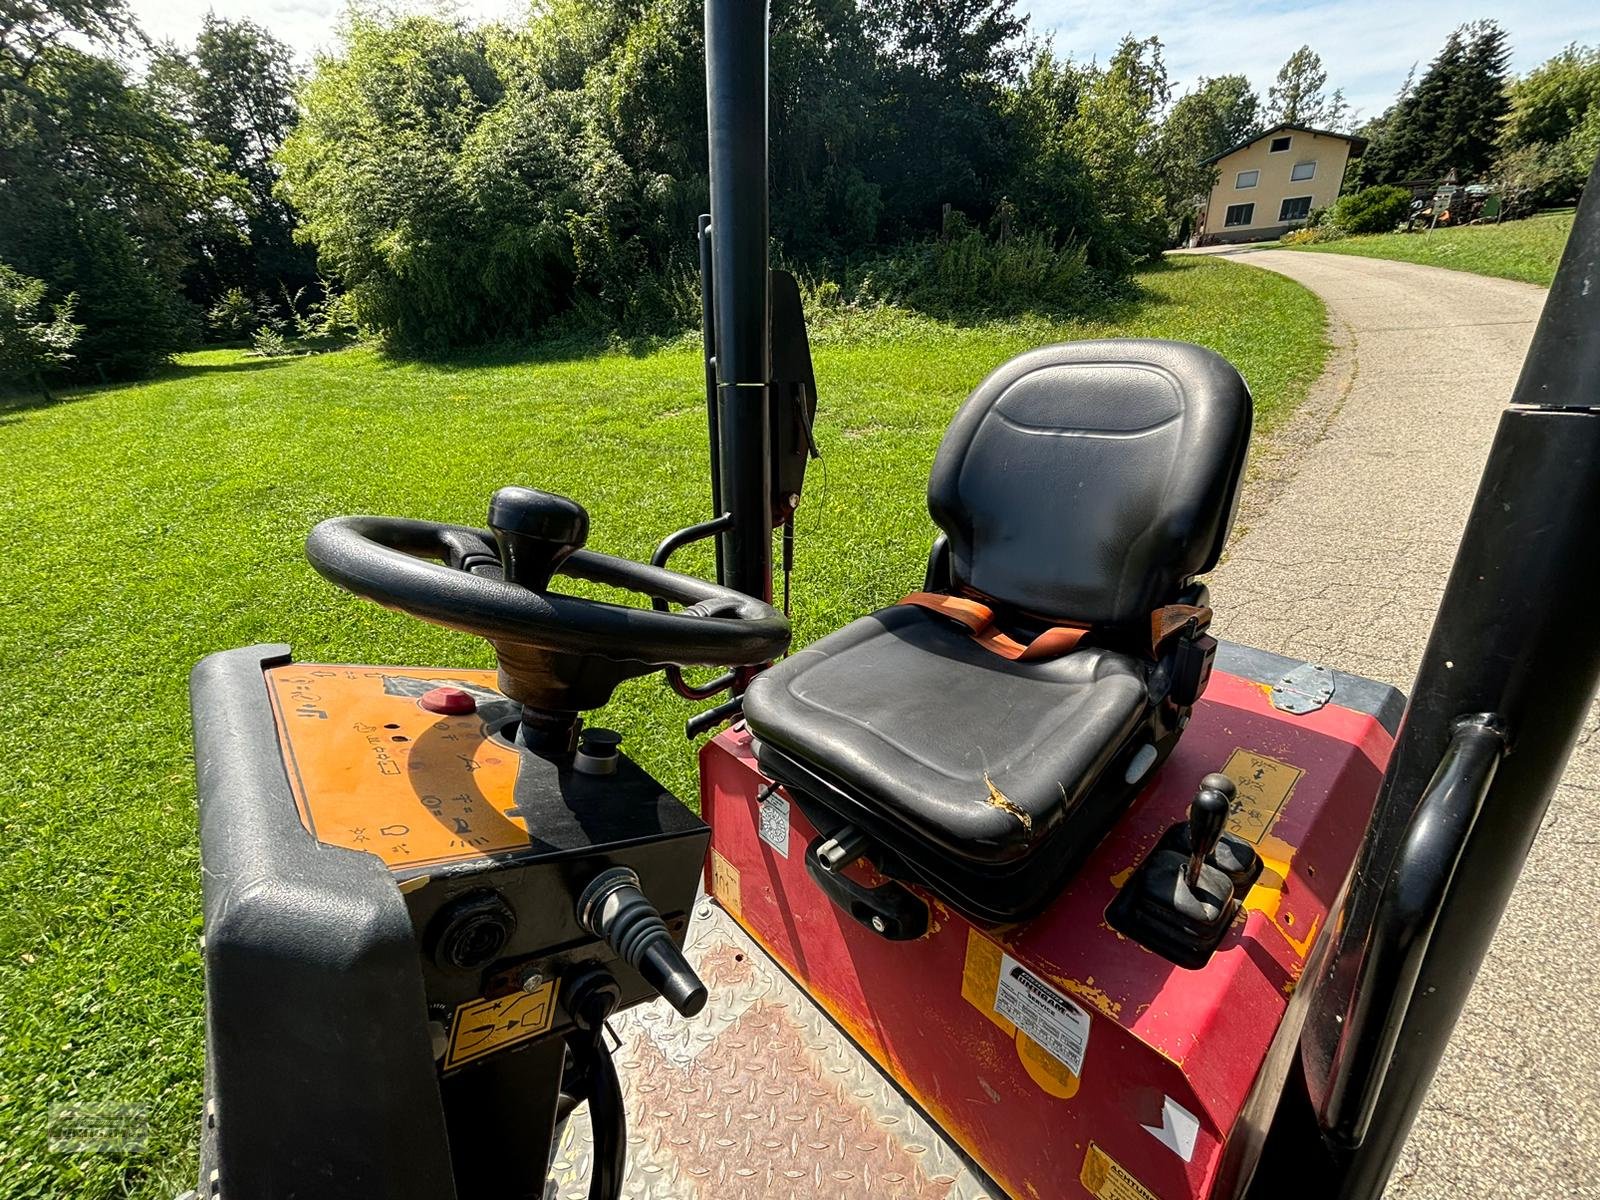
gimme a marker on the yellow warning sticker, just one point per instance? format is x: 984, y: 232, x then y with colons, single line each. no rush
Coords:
x: 980, y: 978
x: 1106, y: 1180
x: 1265, y: 785
x: 725, y: 883
x: 483, y: 1026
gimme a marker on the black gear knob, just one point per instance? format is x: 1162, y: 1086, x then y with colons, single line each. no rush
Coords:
x: 1208, y: 817
x: 535, y: 531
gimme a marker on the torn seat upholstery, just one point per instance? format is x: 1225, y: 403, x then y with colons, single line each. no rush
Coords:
x: 1080, y: 490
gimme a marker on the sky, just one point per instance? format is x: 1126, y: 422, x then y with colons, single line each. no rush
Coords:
x: 1366, y: 45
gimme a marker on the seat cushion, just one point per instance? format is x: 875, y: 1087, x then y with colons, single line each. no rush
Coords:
x: 936, y: 737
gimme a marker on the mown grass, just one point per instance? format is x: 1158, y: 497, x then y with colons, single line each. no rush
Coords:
x: 146, y: 526
x: 1527, y: 250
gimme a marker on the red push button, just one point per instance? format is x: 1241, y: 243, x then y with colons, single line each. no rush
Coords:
x: 453, y: 702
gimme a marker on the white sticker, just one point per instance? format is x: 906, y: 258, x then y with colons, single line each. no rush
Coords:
x: 1178, y: 1129
x: 1058, y: 1025
x: 774, y: 826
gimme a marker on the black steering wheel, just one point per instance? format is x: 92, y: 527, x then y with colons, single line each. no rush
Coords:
x: 494, y: 583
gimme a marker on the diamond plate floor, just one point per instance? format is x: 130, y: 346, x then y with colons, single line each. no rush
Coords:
x: 761, y: 1095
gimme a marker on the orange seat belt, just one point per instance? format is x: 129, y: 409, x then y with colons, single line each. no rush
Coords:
x: 1055, y: 641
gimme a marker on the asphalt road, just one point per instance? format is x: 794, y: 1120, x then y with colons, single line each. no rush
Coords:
x: 1342, y: 559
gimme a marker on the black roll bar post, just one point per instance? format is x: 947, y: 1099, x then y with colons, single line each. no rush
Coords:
x: 740, y: 299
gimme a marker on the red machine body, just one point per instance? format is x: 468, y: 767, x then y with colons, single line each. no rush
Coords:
x: 1064, y: 1058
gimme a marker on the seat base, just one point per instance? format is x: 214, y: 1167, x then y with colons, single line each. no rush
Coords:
x: 985, y: 778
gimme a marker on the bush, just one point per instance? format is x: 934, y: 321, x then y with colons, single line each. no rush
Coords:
x: 1309, y: 235
x: 32, y: 342
x: 233, y: 316
x: 269, y: 343
x: 1380, y: 209
x: 966, y: 272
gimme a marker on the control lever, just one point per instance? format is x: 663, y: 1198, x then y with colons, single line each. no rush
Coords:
x: 1182, y: 899
x: 535, y: 531
x: 614, y: 908
x: 1208, y: 817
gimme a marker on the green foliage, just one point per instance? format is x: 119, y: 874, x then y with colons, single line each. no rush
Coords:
x: 32, y: 341
x: 965, y: 272
x: 104, y: 193
x: 1297, y: 96
x: 1552, y: 132
x: 473, y: 185
x: 233, y: 316
x: 235, y: 91
x: 1451, y: 119
x: 1379, y: 209
x: 1114, y: 133
x: 268, y: 342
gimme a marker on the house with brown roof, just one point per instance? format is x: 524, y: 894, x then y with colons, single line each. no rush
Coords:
x: 1271, y: 182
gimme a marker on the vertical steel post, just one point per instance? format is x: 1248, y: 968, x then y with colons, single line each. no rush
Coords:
x: 708, y: 340
x: 1515, y: 636
x: 736, y: 109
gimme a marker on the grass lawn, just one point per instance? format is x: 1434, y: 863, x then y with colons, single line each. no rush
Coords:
x: 1527, y: 250
x: 150, y: 524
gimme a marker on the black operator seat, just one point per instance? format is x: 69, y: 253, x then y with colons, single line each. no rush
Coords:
x: 1082, y: 485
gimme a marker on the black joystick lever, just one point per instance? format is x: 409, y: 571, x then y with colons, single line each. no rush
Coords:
x: 612, y: 907
x: 1182, y: 899
x: 535, y: 531
x: 1208, y: 817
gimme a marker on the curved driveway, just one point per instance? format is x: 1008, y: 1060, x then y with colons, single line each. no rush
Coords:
x: 1342, y: 558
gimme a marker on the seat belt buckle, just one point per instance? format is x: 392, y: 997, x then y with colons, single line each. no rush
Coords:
x: 1191, y: 668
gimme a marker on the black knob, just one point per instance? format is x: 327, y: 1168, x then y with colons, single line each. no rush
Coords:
x: 535, y: 531
x: 470, y: 932
x: 612, y: 907
x: 1208, y: 817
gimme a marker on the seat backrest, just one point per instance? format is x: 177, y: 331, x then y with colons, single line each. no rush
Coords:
x: 1090, y: 481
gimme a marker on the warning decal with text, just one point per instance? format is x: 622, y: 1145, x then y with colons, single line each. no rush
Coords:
x: 1105, y: 1178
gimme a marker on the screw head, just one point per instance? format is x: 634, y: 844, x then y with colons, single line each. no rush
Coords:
x: 878, y: 925
x: 531, y: 980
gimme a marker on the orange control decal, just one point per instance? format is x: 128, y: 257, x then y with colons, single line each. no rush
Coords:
x: 373, y: 770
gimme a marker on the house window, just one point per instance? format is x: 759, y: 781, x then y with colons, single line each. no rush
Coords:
x: 1303, y: 170
x: 1247, y: 179
x: 1279, y: 145
x: 1295, y: 208
x: 1239, y: 214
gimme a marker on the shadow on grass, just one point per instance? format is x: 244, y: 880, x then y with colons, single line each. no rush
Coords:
x: 539, y: 352
x: 188, y: 370
x: 16, y: 401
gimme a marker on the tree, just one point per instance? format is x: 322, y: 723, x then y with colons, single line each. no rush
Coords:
x: 1451, y: 119
x: 1551, y: 101
x: 31, y: 342
x: 103, y: 192
x: 1114, y: 132
x: 1551, y: 134
x: 1216, y: 115
x: 473, y: 184
x: 235, y: 90
x: 1297, y: 97
x: 943, y: 66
